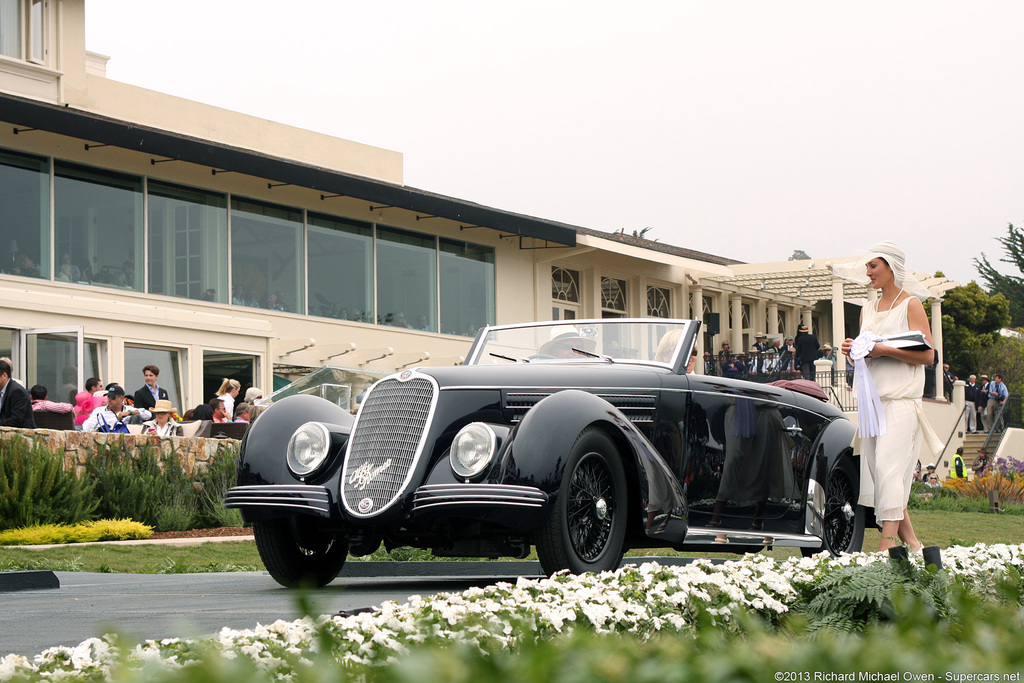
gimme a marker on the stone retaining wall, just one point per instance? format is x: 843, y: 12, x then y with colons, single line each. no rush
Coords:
x: 194, y: 454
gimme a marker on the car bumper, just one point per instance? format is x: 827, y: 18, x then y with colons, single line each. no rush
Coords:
x: 281, y: 499
x: 517, y: 507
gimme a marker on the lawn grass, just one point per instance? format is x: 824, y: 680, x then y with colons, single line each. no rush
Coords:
x: 933, y: 528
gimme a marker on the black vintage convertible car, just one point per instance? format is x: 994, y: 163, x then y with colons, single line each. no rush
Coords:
x: 580, y: 438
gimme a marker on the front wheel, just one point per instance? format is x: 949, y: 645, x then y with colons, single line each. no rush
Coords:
x: 586, y: 526
x: 297, y: 553
x: 843, y: 523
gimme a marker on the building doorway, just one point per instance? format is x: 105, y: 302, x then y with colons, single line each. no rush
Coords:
x: 218, y: 365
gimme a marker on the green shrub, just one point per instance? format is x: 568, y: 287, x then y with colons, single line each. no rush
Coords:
x: 947, y: 499
x: 210, y: 486
x: 35, y: 488
x: 147, y: 488
x: 126, y: 486
x: 85, y: 532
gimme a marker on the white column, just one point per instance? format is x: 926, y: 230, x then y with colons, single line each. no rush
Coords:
x: 805, y: 319
x: 937, y: 344
x: 697, y: 313
x: 723, y: 319
x: 736, y: 332
x: 684, y: 304
x: 839, y: 324
x: 838, y: 315
x: 773, y: 319
x: 759, y: 322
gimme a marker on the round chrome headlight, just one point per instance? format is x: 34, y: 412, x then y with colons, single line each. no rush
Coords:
x: 308, y: 448
x: 472, y: 449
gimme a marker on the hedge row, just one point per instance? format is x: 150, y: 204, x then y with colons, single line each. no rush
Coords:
x: 36, y: 489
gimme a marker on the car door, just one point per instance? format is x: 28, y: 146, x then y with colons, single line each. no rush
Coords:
x: 736, y: 460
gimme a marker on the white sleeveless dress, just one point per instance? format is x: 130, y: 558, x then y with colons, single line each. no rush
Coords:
x: 887, y: 462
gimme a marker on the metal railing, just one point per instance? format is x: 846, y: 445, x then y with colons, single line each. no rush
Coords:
x: 1008, y: 416
x: 837, y: 383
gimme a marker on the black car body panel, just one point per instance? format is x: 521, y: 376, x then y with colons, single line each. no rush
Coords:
x: 708, y: 461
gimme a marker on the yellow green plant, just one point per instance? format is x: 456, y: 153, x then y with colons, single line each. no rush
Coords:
x: 1009, y: 491
x: 84, y: 532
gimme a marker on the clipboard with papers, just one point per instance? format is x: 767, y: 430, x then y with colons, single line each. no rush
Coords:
x: 911, y: 341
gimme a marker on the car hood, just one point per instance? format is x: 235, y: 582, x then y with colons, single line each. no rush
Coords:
x: 581, y: 375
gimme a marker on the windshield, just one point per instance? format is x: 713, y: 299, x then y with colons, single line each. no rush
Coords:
x: 595, y: 341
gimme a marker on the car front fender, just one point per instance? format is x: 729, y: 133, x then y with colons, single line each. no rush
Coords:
x: 542, y: 442
x: 261, y: 458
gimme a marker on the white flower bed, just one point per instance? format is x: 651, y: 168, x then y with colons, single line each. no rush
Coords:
x: 637, y: 600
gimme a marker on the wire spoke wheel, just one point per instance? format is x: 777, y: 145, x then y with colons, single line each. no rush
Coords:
x: 586, y: 525
x: 591, y: 507
x: 842, y: 519
x: 840, y: 512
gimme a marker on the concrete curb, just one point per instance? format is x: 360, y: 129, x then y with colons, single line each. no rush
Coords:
x: 27, y: 580
x: 456, y: 569
x: 164, y: 541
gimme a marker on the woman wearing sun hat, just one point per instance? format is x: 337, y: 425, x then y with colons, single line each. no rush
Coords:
x: 162, y: 424
x: 889, y: 381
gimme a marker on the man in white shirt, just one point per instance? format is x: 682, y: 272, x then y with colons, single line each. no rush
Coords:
x: 115, y: 415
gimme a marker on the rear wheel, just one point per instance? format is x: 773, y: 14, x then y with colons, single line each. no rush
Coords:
x: 586, y: 527
x: 843, y: 523
x: 298, y: 553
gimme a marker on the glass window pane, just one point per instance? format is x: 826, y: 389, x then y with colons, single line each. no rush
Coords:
x: 406, y: 279
x: 659, y: 302
x: 10, y: 28
x: 266, y: 255
x: 613, y: 294
x: 467, y: 287
x: 340, y: 258
x: 53, y: 363
x: 188, y: 243
x: 25, y: 215
x: 99, y: 224
x: 36, y: 30
x: 137, y: 357
x: 565, y: 284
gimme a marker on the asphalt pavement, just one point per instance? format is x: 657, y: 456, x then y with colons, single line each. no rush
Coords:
x: 44, y: 609
x: 156, y: 606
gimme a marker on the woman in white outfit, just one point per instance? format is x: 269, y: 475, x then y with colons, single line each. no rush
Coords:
x: 228, y: 391
x: 890, y: 439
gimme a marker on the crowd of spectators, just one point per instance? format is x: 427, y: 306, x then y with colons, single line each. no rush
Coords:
x: 112, y: 409
x: 768, y: 360
x: 983, y: 397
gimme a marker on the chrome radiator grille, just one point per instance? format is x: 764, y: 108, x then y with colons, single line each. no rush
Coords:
x: 386, y: 443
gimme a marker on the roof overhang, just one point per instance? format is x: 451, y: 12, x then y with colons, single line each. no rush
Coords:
x: 103, y: 130
x: 811, y: 282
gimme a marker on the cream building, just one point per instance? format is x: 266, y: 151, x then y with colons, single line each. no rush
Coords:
x: 141, y: 228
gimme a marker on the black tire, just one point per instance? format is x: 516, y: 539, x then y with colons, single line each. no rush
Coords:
x: 586, y: 526
x: 296, y: 553
x: 843, y: 523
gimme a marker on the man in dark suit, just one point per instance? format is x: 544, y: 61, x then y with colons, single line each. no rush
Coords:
x: 150, y: 393
x: 15, y: 403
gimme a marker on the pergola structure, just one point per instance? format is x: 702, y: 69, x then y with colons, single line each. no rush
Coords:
x: 812, y: 281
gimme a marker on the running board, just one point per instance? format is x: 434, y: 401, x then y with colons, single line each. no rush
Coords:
x: 726, y: 537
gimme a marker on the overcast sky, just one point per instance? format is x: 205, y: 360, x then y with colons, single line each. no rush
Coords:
x: 745, y: 129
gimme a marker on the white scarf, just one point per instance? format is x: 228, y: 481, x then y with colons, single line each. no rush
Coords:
x: 870, y: 415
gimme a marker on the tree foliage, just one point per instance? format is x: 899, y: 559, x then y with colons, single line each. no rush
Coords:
x: 1006, y: 357
x: 1010, y: 286
x: 799, y: 255
x: 971, y: 320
